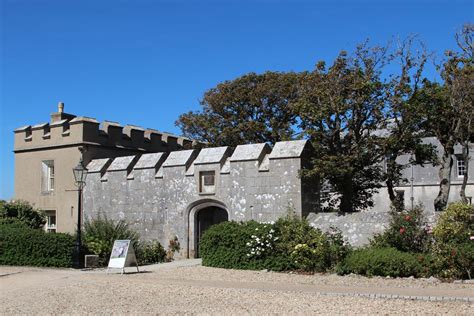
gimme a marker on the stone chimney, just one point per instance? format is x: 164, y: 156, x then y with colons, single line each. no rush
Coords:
x: 60, y: 115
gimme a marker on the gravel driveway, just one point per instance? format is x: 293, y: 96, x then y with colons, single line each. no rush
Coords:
x: 188, y: 288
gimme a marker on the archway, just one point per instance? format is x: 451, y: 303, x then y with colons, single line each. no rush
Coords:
x: 205, y: 218
x: 202, y: 215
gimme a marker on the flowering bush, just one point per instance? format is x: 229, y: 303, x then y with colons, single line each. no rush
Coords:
x: 262, y: 241
x: 288, y: 244
x: 407, y: 232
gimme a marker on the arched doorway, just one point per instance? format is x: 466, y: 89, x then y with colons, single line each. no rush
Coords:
x: 205, y: 218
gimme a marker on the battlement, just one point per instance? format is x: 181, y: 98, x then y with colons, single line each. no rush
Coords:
x: 222, y: 159
x: 67, y: 129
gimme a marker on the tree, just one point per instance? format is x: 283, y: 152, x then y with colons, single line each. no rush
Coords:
x: 449, y: 111
x: 253, y: 108
x: 458, y: 74
x: 404, y: 117
x: 340, y: 110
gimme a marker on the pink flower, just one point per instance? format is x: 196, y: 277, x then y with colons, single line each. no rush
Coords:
x: 407, y: 217
x: 402, y: 230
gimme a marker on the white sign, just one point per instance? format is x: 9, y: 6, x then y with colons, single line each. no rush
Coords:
x: 122, y: 256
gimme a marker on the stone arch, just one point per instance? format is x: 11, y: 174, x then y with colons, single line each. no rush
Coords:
x: 193, y: 211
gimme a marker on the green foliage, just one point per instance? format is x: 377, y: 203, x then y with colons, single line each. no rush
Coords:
x: 23, y: 212
x: 100, y: 233
x: 288, y: 244
x: 454, y: 225
x: 453, y: 250
x: 340, y: 108
x: 407, y: 232
x: 150, y: 252
x: 382, y: 262
x: 225, y: 246
x: 253, y: 108
x: 21, y: 245
x: 308, y: 248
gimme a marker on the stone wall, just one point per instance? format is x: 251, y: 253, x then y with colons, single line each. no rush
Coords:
x: 160, y: 195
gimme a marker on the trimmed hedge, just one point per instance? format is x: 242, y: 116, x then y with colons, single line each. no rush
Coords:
x: 34, y: 247
x: 382, y: 262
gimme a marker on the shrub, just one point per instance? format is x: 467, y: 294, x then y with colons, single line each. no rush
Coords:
x: 100, y: 233
x: 21, y: 211
x: 381, y: 261
x: 21, y: 245
x: 339, y: 249
x: 150, y: 252
x: 407, y: 232
x: 453, y: 250
x: 455, y: 225
x: 288, y: 244
x: 173, y: 246
x: 308, y: 248
x: 225, y: 246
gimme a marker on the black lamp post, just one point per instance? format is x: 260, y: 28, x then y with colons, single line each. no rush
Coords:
x: 80, y: 175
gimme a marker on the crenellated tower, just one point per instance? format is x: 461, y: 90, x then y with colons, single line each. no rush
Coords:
x: 45, y: 154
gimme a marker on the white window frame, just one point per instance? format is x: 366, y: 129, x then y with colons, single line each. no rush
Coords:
x: 51, y: 228
x: 47, y: 176
x: 460, y: 167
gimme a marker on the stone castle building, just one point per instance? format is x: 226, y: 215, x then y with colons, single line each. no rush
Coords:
x: 46, y: 153
x: 166, y: 189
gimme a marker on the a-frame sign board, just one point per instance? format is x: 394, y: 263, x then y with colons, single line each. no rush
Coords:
x: 122, y: 256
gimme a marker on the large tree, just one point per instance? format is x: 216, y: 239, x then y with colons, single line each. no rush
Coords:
x: 340, y: 109
x: 458, y: 74
x: 404, y: 118
x: 253, y: 108
x: 449, y: 110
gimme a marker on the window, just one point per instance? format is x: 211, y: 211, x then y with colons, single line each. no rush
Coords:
x: 50, y: 221
x: 461, y: 167
x: 48, y: 176
x: 207, y: 182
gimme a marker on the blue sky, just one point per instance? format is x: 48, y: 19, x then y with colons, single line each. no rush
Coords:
x: 145, y: 62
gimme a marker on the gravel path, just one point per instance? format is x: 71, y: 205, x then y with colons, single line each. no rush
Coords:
x: 177, y: 289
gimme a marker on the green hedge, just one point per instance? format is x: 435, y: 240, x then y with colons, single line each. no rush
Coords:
x: 225, y: 246
x: 382, y: 262
x: 34, y: 247
x: 288, y: 244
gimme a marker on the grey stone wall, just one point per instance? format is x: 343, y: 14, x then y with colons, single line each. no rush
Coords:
x: 159, y: 195
x: 358, y: 228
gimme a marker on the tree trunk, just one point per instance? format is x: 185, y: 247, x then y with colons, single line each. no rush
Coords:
x: 347, y: 195
x: 444, y: 180
x: 465, y: 156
